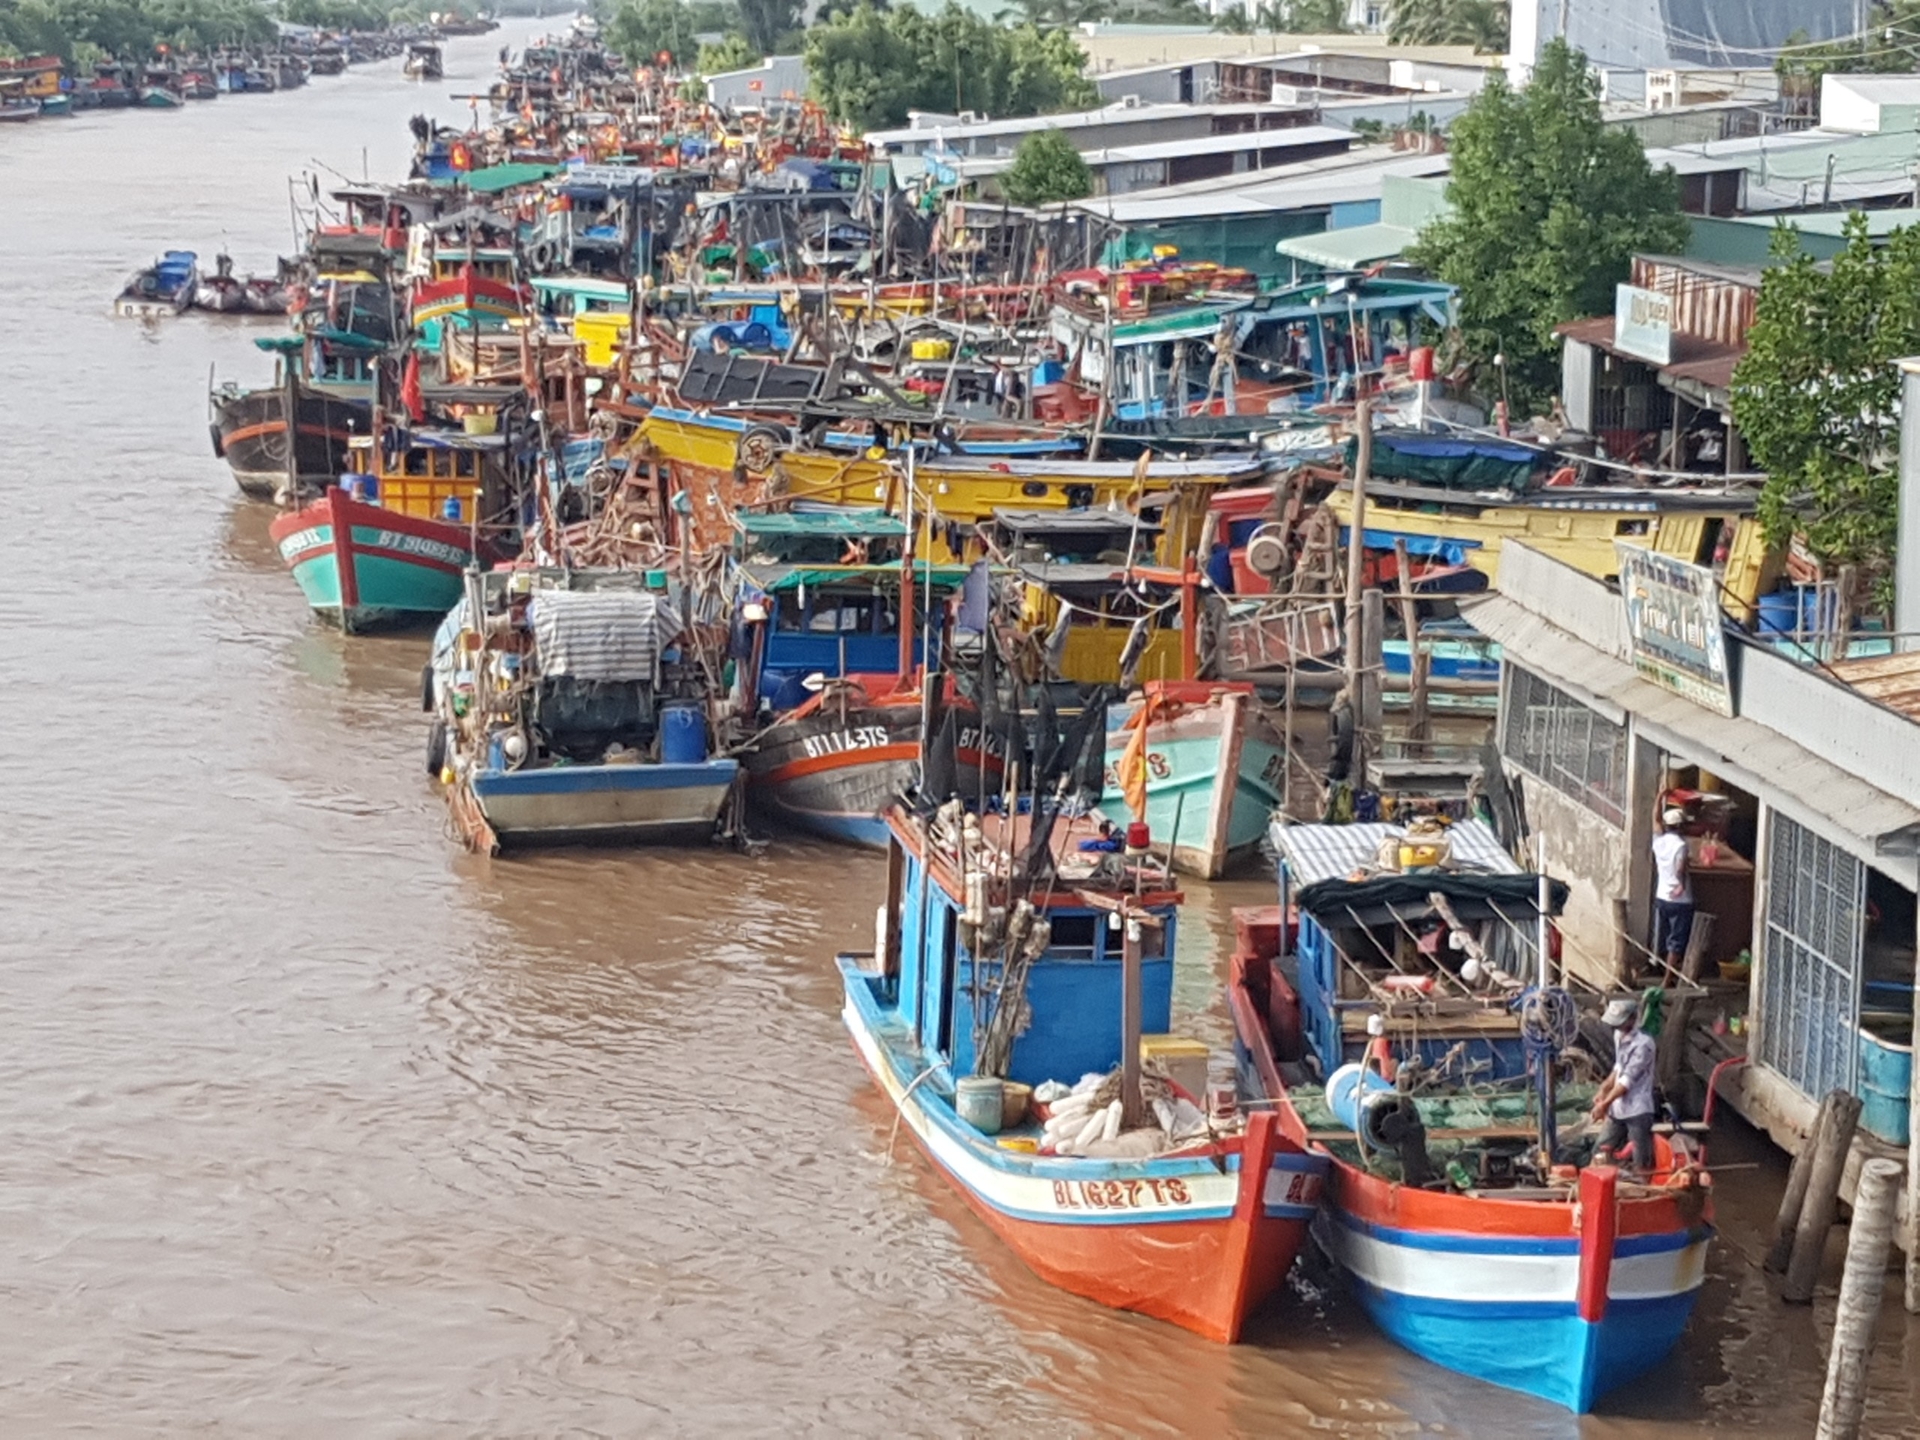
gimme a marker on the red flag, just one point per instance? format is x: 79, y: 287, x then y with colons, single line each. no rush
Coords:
x: 410, y: 389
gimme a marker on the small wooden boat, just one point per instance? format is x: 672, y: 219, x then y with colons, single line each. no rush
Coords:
x: 1194, y: 1224
x: 423, y: 62
x: 364, y: 567
x: 19, y: 110
x: 1471, y: 1234
x: 160, y: 97
x: 565, y: 714
x: 165, y: 287
x: 56, y: 105
x: 249, y: 429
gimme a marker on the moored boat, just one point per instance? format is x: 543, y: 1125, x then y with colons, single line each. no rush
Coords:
x: 249, y: 429
x: 365, y: 567
x: 1473, y: 1234
x: 165, y: 287
x: 1151, y: 1205
x: 423, y: 61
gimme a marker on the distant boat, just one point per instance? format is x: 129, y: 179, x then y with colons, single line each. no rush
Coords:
x: 61, y: 104
x: 14, y: 112
x: 165, y: 287
x: 423, y: 62
x: 250, y: 428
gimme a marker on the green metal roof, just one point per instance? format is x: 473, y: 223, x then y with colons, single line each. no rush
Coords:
x: 820, y: 522
x: 1351, y: 249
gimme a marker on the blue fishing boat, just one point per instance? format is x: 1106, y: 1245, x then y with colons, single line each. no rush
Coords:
x: 1015, y: 964
x: 566, y: 712
x: 165, y: 287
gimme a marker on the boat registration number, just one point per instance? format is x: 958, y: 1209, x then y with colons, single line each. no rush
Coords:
x: 1157, y: 767
x: 860, y: 737
x: 1119, y: 1194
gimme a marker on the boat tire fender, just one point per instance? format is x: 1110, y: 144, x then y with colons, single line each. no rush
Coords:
x: 542, y: 255
x: 426, y: 687
x: 219, y: 445
x: 437, y: 747
x: 761, y: 446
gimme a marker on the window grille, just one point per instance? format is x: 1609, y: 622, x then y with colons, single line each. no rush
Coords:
x: 1810, y: 968
x: 1566, y: 744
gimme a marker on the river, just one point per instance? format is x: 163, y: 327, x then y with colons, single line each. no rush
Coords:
x: 311, y: 1124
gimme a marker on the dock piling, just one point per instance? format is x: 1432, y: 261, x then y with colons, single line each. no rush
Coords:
x: 1861, y: 1288
x: 1830, y: 1149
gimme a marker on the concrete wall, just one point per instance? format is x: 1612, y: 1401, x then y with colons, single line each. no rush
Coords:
x: 778, y: 76
x: 1593, y: 858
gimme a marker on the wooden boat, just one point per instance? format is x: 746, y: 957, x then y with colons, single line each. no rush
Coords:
x: 564, y: 715
x: 160, y: 97
x: 1562, y: 1278
x: 1197, y: 1232
x: 832, y: 671
x: 390, y: 550
x: 423, y: 62
x: 18, y: 110
x: 165, y: 287
x: 249, y: 429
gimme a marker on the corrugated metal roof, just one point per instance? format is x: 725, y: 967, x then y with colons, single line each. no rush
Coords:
x: 1356, y: 175
x: 1749, y: 754
x: 1313, y: 853
x: 1351, y: 248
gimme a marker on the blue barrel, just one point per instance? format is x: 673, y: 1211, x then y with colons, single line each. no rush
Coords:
x: 683, y: 734
x: 1343, y: 1092
x: 1779, y: 613
x: 1886, y: 1069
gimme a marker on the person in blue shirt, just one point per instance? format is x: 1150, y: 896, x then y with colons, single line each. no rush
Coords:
x: 1625, y: 1101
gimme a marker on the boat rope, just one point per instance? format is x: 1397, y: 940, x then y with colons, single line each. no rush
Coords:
x: 900, y: 1107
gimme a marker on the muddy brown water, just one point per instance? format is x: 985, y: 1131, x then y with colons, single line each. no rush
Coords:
x: 312, y: 1125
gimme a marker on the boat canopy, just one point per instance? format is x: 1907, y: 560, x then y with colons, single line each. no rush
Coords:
x: 602, y: 635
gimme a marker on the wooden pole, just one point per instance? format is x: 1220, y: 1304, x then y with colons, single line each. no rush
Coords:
x: 1861, y: 1286
x: 1795, y: 1197
x: 1356, y: 566
x: 1373, y: 624
x: 1132, y: 1104
x: 1823, y: 1200
x: 1416, y: 654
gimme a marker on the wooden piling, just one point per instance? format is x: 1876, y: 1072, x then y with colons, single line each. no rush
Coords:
x: 1861, y: 1287
x: 1823, y: 1198
x: 1795, y: 1197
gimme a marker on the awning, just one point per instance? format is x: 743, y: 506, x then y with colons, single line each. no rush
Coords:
x: 1314, y: 853
x: 1354, y: 248
x: 1703, y: 365
x: 1755, y: 758
x: 496, y: 178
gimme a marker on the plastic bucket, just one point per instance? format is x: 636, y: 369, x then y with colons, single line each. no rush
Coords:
x: 1014, y: 1099
x: 1343, y: 1092
x: 683, y: 734
x: 980, y: 1101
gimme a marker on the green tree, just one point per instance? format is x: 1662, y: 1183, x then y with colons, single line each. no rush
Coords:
x: 1046, y: 169
x: 643, y: 30
x: 734, y: 52
x: 1817, y: 394
x: 1548, y: 207
x: 768, y: 24
x: 1479, y: 23
x: 869, y: 67
x: 1286, y: 17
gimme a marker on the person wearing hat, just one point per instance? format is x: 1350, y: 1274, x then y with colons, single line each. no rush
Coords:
x: 1625, y: 1101
x: 1672, y: 889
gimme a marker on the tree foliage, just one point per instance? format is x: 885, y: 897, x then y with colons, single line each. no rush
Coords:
x: 642, y: 30
x: 1479, y: 23
x: 129, y: 28
x: 1548, y: 208
x: 769, y: 26
x: 1285, y: 17
x: 1046, y: 169
x: 869, y: 67
x: 1817, y: 394
x: 734, y: 52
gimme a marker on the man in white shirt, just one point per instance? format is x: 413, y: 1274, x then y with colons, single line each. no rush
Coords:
x: 1625, y: 1101
x: 1672, y: 890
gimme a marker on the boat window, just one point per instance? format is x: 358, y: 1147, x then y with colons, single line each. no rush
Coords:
x: 417, y: 463
x: 1074, y: 936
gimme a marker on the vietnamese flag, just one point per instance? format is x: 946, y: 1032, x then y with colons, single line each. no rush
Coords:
x: 410, y: 395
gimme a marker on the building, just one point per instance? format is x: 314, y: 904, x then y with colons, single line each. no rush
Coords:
x: 1125, y: 169
x: 1800, y: 772
x: 1654, y: 35
x: 1651, y: 380
x: 777, y: 80
x: 1126, y: 122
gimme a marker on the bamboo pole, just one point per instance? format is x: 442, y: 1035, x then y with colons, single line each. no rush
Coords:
x: 1416, y: 654
x: 1356, y: 564
x: 1844, y: 1403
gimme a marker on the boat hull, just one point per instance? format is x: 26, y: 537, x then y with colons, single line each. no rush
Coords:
x: 365, y: 568
x: 1214, y: 772
x: 603, y: 804
x: 250, y: 434
x: 1188, y: 1241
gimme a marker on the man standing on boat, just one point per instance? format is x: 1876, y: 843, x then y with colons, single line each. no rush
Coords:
x: 1625, y: 1101
x: 1672, y: 890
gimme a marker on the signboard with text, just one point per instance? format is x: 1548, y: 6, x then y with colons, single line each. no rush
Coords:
x: 1674, y: 626
x: 1643, y: 324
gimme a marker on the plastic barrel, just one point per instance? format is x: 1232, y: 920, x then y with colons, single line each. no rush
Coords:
x: 1343, y: 1091
x: 980, y: 1101
x: 683, y: 734
x: 1778, y: 613
x: 1886, y: 1067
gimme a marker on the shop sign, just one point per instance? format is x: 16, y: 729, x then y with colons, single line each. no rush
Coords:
x: 1643, y: 324
x: 1675, y: 627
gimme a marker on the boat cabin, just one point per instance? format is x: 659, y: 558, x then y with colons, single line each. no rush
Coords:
x: 1406, y: 931
x: 942, y: 971
x: 435, y: 475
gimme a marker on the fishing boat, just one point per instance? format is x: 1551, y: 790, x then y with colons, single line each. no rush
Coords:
x: 165, y: 287
x: 1464, y: 1204
x: 569, y: 710
x: 18, y: 109
x: 832, y: 668
x: 388, y: 547
x: 1012, y: 963
x: 249, y: 430
x: 423, y: 61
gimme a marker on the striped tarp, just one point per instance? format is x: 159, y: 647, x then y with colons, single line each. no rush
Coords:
x: 602, y: 634
x: 1313, y: 853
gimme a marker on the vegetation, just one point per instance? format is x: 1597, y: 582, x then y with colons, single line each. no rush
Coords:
x: 1046, y: 169
x: 83, y: 30
x: 1817, y: 395
x: 1479, y: 23
x: 870, y: 67
x: 642, y: 30
x: 1548, y: 207
x: 1286, y: 17
x: 1890, y: 46
x: 734, y: 52
x: 1130, y: 12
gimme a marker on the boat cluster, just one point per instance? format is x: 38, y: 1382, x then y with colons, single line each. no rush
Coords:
x: 743, y: 481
